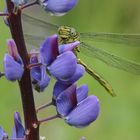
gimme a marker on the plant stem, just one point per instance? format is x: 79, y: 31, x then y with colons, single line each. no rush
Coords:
x: 43, y: 106
x: 48, y: 119
x: 30, y: 118
x: 30, y: 66
x: 3, y: 14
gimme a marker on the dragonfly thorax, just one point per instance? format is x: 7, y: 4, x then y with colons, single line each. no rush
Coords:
x: 67, y: 35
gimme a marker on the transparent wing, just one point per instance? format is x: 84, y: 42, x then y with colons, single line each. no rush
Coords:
x: 38, y: 23
x: 36, y: 30
x: 128, y: 39
x: 110, y: 59
x: 34, y: 26
x: 33, y: 41
x: 104, y: 56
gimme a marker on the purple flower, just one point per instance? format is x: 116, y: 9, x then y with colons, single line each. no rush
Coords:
x: 82, y: 93
x: 64, y: 66
x: 18, y: 129
x: 49, y: 50
x: 13, y: 65
x: 12, y: 49
x: 84, y: 113
x: 57, y: 7
x: 58, y: 88
x: 79, y: 72
x: 40, y: 79
x: 68, y: 47
x: 3, y: 134
x: 66, y: 101
x: 76, y: 107
x: 61, y: 65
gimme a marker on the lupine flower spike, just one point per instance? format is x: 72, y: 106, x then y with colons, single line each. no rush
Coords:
x: 53, y: 60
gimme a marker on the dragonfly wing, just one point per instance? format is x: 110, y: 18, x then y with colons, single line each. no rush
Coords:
x: 36, y: 30
x: 110, y: 59
x: 128, y: 39
x: 33, y: 41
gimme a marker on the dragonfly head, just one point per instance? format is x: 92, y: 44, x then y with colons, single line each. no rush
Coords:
x: 67, y: 34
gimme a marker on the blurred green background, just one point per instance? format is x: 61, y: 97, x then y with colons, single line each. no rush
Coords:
x: 119, y: 116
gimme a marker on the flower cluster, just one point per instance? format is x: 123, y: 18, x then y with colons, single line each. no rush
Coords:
x: 72, y: 104
x: 62, y: 66
x: 50, y: 61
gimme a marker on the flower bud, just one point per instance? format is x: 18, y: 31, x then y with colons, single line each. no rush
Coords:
x: 58, y: 7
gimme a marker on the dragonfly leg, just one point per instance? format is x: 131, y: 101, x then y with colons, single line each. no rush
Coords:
x: 97, y: 77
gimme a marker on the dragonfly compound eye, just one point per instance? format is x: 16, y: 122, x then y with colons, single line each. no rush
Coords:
x: 73, y: 32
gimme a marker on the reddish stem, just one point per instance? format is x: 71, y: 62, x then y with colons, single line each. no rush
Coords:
x: 48, y: 119
x: 3, y: 14
x: 44, y: 106
x: 30, y: 66
x: 30, y: 117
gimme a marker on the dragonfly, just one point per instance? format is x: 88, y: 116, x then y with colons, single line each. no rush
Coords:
x: 69, y: 34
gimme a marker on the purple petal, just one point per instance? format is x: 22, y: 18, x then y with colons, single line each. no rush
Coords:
x: 58, y: 88
x: 58, y: 7
x: 85, y: 113
x: 80, y: 71
x: 12, y: 69
x: 5, y: 17
x: 40, y: 79
x: 3, y: 134
x: 18, y: 130
x: 34, y: 59
x: 35, y: 71
x: 44, y: 81
x: 68, y: 47
x: 49, y: 50
x: 12, y: 49
x: 64, y: 66
x: 82, y: 93
x: 66, y: 101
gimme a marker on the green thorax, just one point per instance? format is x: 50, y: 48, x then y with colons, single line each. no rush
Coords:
x: 68, y: 35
